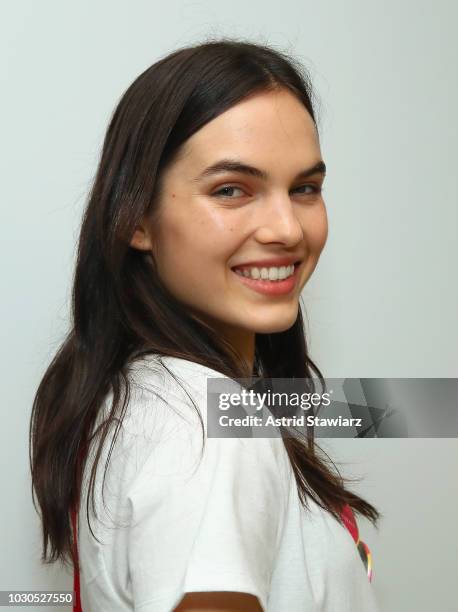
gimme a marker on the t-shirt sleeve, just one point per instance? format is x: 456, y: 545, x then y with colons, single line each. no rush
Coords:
x: 203, y: 522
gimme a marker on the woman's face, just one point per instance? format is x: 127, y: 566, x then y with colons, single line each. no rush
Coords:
x: 211, y: 221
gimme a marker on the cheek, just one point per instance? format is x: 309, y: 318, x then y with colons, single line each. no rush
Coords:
x: 192, y: 245
x: 316, y: 230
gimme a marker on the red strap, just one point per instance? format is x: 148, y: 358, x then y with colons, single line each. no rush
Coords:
x: 76, y: 571
x: 76, y: 574
x: 348, y: 518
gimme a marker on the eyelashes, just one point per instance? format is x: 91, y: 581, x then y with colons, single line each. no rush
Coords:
x: 316, y: 189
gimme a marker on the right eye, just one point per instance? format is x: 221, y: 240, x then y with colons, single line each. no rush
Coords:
x: 226, y: 191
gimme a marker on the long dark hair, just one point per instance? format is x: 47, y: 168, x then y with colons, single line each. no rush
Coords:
x: 120, y: 309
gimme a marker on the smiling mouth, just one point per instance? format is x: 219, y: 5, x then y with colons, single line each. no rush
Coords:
x: 271, y: 288
x: 245, y: 272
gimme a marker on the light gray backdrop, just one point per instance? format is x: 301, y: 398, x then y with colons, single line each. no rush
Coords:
x: 383, y: 301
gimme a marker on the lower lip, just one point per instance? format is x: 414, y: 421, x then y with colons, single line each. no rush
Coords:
x: 281, y: 287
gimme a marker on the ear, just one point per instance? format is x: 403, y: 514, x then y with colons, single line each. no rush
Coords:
x: 141, y: 239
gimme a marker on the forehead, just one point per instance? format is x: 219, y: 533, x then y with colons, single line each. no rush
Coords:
x: 265, y: 127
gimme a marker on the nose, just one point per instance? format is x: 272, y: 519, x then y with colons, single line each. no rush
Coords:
x: 278, y: 221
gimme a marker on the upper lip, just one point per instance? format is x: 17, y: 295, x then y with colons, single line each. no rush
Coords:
x: 273, y: 261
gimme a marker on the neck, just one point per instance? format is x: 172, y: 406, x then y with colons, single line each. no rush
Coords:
x: 242, y: 340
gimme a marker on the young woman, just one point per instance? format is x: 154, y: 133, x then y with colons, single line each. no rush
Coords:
x: 205, y: 221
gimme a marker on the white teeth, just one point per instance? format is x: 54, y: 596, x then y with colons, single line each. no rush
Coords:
x: 271, y: 274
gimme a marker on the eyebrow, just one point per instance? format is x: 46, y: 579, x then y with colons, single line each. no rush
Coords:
x: 235, y: 165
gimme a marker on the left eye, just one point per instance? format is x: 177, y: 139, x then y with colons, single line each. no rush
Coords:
x: 314, y: 188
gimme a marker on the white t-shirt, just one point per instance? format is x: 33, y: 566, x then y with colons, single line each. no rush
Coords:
x: 231, y: 521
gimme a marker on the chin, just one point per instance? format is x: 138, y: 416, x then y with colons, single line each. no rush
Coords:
x: 278, y: 325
